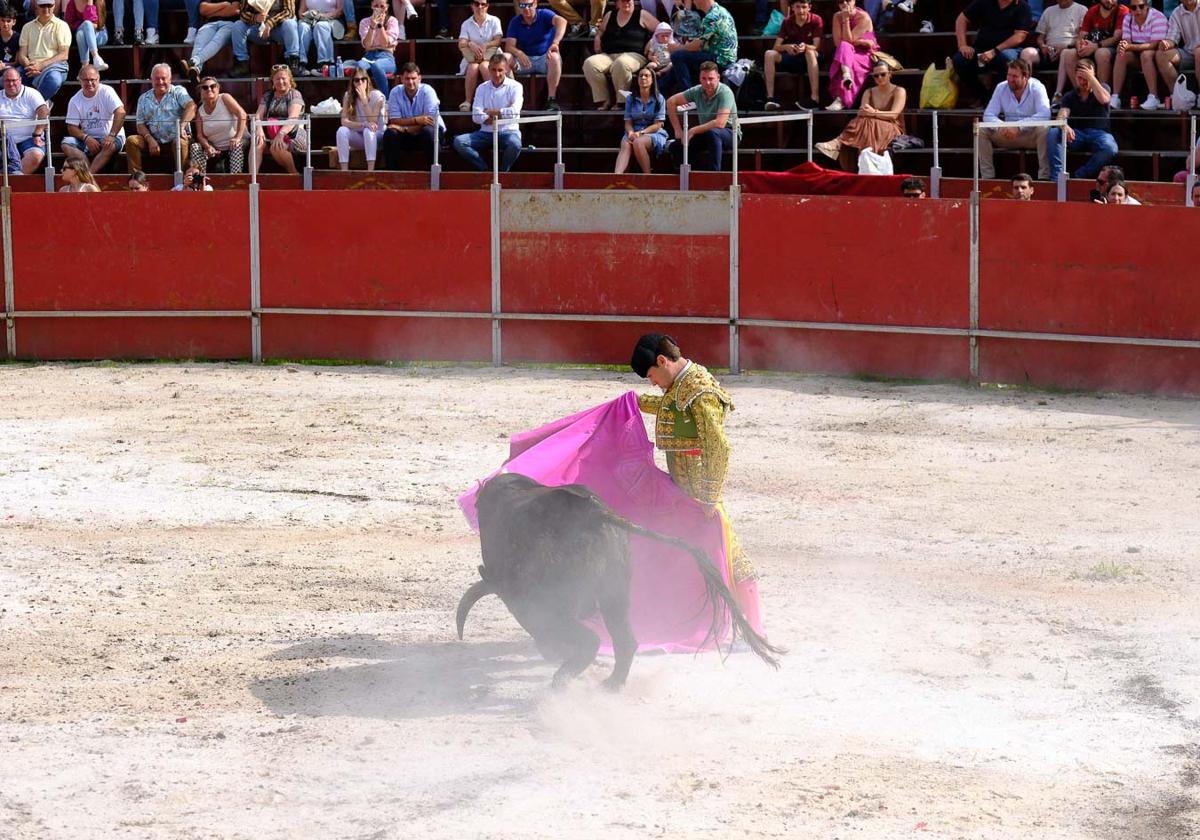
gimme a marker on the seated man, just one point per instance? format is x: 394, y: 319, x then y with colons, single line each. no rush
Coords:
x: 711, y: 132
x: 1098, y: 36
x: 1002, y: 26
x: 1177, y: 54
x: 95, y: 122
x: 1022, y: 187
x: 1019, y: 98
x: 912, y: 188
x: 221, y: 18
x: 1108, y: 176
x: 20, y: 102
x: 531, y: 42
x: 1085, y: 108
x: 499, y: 98
x: 45, y: 45
x: 278, y: 24
x: 164, y: 116
x: 1057, y: 31
x: 414, y: 118
x: 796, y: 50
x: 717, y: 43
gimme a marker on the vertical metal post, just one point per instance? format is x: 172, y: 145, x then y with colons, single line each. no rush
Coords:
x: 685, y: 169
x: 559, y: 167
x: 975, y: 157
x: 10, y: 323
x: 497, y: 350
x: 308, y: 169
x: 4, y: 144
x: 178, y: 152
x: 496, y: 155
x: 735, y: 195
x: 253, y: 152
x: 1062, y: 173
x: 810, y: 136
x: 435, y: 170
x: 735, y: 161
x: 255, y: 279
x: 935, y: 172
x: 973, y: 324
x: 49, y: 159
x: 1191, y: 165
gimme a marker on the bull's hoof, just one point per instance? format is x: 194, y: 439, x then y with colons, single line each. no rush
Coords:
x: 612, y: 684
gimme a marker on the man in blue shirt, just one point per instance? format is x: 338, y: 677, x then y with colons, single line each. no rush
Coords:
x: 414, y: 118
x: 531, y: 45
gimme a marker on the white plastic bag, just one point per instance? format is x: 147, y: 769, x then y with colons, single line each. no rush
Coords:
x: 870, y: 163
x: 328, y: 107
x: 735, y: 73
x: 1182, y: 99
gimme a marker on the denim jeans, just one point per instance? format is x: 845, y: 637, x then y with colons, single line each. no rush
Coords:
x: 145, y: 13
x: 470, y: 145
x: 48, y: 81
x: 378, y: 63
x: 706, y: 150
x: 968, y: 70
x: 287, y: 32
x: 88, y: 40
x: 685, y: 69
x: 213, y: 37
x: 323, y: 32
x: 1100, y: 143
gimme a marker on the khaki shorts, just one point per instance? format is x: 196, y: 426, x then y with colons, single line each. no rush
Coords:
x: 469, y: 54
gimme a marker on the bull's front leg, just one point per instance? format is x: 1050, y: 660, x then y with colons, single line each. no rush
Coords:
x: 581, y: 644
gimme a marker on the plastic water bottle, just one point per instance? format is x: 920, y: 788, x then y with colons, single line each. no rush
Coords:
x: 338, y: 65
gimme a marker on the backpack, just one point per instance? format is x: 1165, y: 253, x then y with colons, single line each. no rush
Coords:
x: 751, y: 94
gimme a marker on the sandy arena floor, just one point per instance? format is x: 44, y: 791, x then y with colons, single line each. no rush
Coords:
x: 227, y: 594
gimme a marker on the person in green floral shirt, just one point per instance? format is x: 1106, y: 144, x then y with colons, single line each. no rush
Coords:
x: 717, y: 43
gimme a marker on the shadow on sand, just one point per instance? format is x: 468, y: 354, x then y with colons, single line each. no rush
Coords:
x: 410, y: 681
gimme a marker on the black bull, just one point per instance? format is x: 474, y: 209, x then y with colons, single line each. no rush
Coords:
x: 556, y: 555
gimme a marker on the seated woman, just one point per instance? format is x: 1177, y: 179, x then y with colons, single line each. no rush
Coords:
x: 380, y: 35
x: 281, y: 102
x: 879, y: 120
x: 219, y: 130
x: 364, y: 119
x: 77, y: 177
x: 620, y: 46
x: 1117, y: 193
x: 853, y: 43
x: 321, y: 22
x: 645, y: 113
x: 478, y: 40
x: 86, y: 19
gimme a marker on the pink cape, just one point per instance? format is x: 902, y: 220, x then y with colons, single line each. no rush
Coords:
x: 606, y: 449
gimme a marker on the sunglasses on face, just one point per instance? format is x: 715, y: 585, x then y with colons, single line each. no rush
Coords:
x: 1138, y: 6
x: 525, y: 5
x: 879, y: 75
x: 480, y: 5
x: 208, y: 87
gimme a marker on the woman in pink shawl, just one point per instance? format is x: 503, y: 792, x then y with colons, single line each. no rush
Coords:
x: 853, y: 43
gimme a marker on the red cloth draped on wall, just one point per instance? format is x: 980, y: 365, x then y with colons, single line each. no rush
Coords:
x: 812, y: 179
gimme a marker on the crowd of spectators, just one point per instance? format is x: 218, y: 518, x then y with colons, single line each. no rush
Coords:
x: 648, y: 58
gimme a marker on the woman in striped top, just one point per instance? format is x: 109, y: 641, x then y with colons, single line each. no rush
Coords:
x: 1140, y: 33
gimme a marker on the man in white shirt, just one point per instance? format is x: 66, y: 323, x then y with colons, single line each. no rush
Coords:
x: 21, y: 102
x: 1019, y: 99
x: 1177, y: 53
x: 95, y: 122
x: 499, y: 98
x: 1057, y: 30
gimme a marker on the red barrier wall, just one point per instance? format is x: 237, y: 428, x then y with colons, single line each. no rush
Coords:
x: 1051, y: 268
x: 127, y: 251
x: 854, y: 261
x: 376, y: 338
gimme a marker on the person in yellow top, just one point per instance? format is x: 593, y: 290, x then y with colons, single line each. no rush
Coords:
x: 690, y: 428
x: 44, y: 46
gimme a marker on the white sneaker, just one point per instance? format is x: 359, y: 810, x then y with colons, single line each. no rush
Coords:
x: 1114, y: 102
x: 190, y: 37
x: 835, y: 105
x: 906, y: 6
x: 99, y: 63
x: 926, y: 26
x: 151, y: 36
x: 1151, y: 103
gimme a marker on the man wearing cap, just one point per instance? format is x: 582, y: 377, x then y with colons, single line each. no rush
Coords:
x: 45, y: 45
x: 690, y: 428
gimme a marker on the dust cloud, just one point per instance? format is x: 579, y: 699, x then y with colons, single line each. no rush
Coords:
x: 227, y: 602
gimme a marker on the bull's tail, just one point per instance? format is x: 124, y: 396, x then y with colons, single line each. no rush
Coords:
x: 718, y: 595
x: 476, y: 591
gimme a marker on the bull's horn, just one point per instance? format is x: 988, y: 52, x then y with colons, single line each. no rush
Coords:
x: 478, y: 589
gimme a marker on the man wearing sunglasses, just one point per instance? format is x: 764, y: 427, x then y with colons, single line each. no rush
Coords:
x: 1002, y: 26
x: 531, y: 43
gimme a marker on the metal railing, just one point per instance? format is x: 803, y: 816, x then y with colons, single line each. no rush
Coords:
x: 775, y: 118
x: 1019, y: 125
x: 556, y: 118
x: 935, y: 171
x: 7, y: 123
x: 1191, y: 165
x: 305, y: 122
